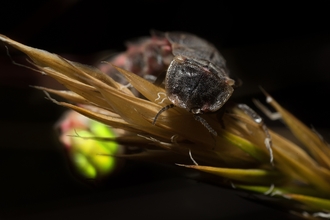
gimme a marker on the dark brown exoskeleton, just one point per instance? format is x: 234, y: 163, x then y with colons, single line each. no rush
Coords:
x: 197, y: 79
x: 196, y: 75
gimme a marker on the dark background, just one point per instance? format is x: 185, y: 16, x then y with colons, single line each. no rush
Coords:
x: 285, y: 48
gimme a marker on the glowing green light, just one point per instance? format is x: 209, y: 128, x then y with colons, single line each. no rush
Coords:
x: 83, y: 166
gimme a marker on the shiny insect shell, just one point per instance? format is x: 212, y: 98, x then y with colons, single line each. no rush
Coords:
x: 195, y: 86
x: 197, y: 78
x: 196, y: 75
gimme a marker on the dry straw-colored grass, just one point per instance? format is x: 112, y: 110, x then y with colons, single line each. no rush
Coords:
x: 244, y: 154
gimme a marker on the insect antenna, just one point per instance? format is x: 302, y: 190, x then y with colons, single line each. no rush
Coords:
x: 161, y: 111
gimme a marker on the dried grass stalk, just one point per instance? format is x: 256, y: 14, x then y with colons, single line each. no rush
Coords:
x: 240, y: 156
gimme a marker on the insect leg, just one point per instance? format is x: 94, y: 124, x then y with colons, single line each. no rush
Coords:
x: 206, y: 125
x: 160, y: 78
x: 257, y: 119
x: 161, y: 111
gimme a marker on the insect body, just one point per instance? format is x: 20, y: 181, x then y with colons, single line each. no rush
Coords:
x: 197, y: 85
x: 196, y: 75
x: 197, y: 79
